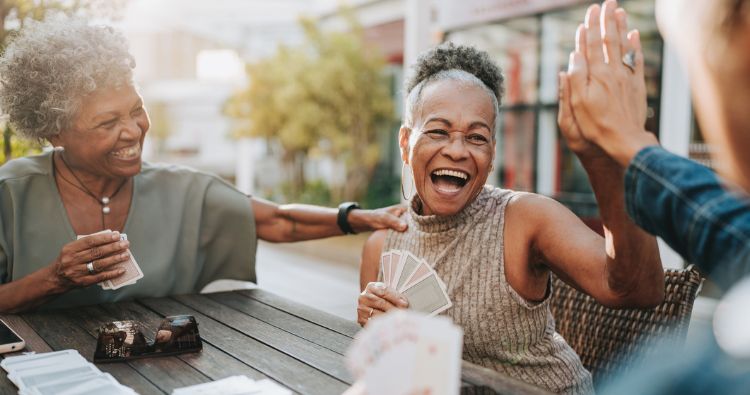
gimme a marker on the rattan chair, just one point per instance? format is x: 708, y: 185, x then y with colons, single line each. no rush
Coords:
x: 613, y: 340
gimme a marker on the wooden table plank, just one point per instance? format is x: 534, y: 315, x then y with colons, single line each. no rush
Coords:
x: 61, y: 332
x: 315, y: 333
x: 330, y: 321
x: 167, y: 373
x: 308, y: 352
x: 212, y: 362
x: 288, y: 371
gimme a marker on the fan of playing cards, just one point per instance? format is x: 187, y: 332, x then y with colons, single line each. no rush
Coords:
x: 416, y: 280
x: 132, y: 273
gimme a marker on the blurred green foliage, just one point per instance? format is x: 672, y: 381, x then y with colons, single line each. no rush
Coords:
x: 329, y: 96
x: 13, y: 15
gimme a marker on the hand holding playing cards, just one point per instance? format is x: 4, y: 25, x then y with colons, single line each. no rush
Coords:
x: 103, y: 250
x: 376, y: 299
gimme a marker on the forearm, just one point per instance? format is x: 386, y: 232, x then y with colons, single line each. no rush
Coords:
x: 633, y: 268
x: 28, y: 292
x: 685, y: 203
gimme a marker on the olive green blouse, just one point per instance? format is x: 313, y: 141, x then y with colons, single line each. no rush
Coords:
x: 186, y: 228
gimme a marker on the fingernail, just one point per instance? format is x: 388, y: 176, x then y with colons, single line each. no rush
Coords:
x: 120, y: 271
x: 115, y: 235
x: 571, y: 60
x: 124, y: 256
x: 124, y: 243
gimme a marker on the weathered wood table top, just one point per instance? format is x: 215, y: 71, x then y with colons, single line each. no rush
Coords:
x: 249, y: 332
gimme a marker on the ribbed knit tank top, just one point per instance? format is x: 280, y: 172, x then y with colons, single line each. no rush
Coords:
x: 502, y: 331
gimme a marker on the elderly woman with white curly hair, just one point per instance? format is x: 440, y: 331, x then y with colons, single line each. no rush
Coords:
x: 71, y: 84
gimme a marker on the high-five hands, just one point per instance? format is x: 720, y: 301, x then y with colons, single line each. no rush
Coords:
x: 603, y: 94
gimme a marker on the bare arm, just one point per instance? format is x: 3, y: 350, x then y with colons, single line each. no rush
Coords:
x: 297, y: 222
x: 624, y: 268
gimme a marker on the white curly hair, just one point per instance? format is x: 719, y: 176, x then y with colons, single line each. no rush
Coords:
x: 49, y: 68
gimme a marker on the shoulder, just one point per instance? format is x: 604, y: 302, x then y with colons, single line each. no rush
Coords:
x: 534, y: 209
x: 374, y: 244
x: 37, y: 165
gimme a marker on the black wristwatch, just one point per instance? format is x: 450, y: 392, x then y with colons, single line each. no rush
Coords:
x: 343, y: 218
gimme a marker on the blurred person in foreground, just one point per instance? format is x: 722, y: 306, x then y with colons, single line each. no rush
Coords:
x: 71, y: 84
x: 704, y: 217
x: 495, y: 249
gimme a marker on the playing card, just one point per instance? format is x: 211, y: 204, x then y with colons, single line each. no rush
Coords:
x: 132, y: 273
x: 385, y: 265
x: 49, y: 373
x: 406, y: 352
x: 102, y: 385
x: 22, y: 368
x: 9, y: 363
x: 410, y: 263
x: 422, y: 271
x: 428, y: 296
x: 396, y: 258
x: 57, y: 386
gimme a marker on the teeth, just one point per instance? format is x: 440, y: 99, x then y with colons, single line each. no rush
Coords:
x: 128, y: 152
x: 452, y: 173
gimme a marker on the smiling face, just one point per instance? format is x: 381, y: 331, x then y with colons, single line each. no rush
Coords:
x: 107, y: 134
x: 450, y: 146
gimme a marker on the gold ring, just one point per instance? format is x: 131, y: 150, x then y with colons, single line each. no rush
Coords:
x: 91, y: 268
x: 629, y: 60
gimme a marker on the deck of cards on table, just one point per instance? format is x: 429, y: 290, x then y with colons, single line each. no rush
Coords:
x: 234, y: 385
x: 416, y: 280
x: 63, y: 372
x: 132, y: 273
x: 404, y: 352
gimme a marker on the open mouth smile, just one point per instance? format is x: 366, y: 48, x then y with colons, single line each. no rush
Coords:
x: 128, y: 153
x: 449, y: 181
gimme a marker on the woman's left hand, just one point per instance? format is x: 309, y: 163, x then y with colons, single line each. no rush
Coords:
x: 377, y: 299
x: 382, y: 218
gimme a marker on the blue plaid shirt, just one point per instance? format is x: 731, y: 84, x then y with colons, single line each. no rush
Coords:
x: 688, y: 206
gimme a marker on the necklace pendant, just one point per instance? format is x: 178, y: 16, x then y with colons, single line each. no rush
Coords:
x: 105, y: 200
x: 105, y: 210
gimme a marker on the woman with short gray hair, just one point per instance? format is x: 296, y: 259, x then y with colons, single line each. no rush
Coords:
x: 64, y: 214
x: 495, y: 249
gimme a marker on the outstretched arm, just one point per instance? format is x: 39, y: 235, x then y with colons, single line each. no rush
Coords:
x: 623, y: 269
x: 297, y: 222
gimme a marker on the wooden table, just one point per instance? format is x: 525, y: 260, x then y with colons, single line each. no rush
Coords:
x: 249, y: 332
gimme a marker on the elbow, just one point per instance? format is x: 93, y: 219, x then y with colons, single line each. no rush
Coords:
x: 646, y: 297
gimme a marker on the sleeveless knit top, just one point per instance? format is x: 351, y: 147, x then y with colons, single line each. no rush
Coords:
x: 502, y: 331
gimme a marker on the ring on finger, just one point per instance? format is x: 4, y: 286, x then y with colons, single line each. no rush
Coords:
x: 629, y: 60
x: 91, y: 268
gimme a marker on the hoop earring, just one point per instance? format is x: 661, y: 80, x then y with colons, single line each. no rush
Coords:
x: 413, y: 186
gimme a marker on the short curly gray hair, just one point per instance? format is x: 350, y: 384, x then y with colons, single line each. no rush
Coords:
x: 448, y: 61
x: 49, y: 68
